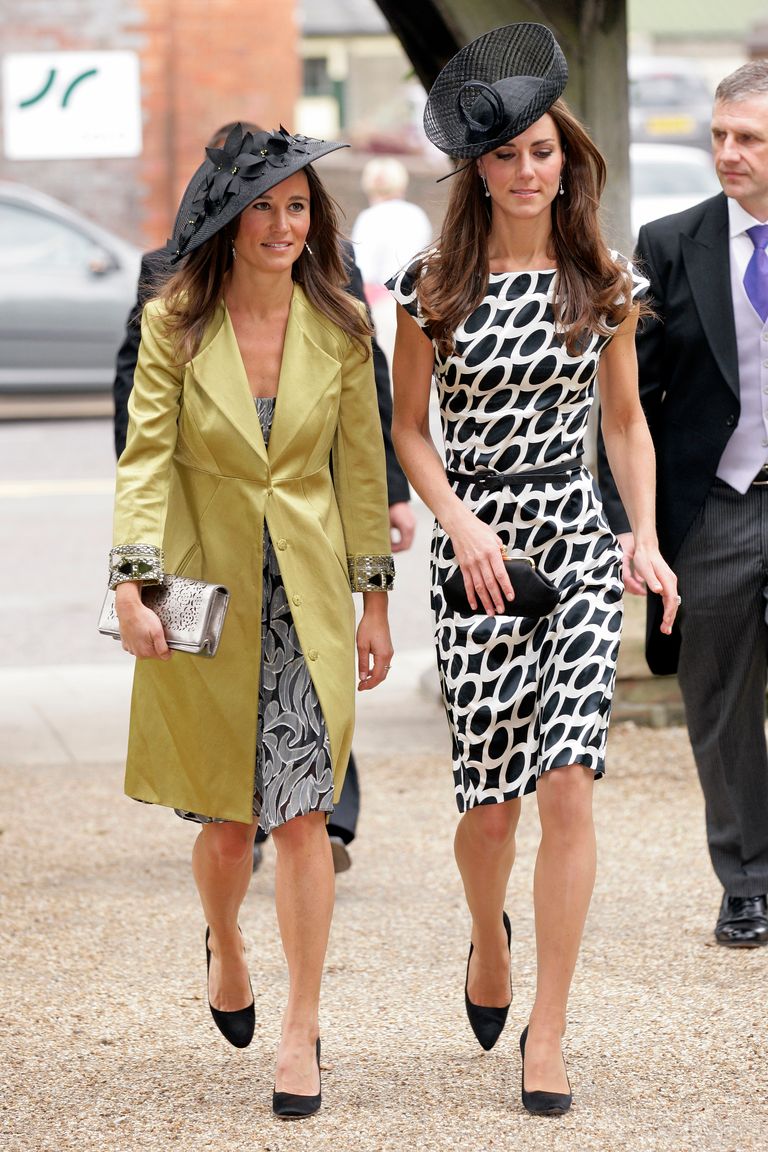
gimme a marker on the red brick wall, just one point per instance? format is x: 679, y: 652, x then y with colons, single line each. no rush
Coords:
x: 203, y: 63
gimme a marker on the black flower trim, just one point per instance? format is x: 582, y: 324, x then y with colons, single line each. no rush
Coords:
x: 241, y: 158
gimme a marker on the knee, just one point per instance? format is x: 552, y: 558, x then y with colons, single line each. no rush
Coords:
x: 565, y: 798
x: 300, y: 832
x: 492, y: 826
x: 228, y: 844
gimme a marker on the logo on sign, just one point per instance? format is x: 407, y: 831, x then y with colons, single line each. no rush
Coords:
x: 71, y: 104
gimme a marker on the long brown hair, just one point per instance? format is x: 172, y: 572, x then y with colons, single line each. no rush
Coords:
x: 591, y: 291
x: 192, y: 294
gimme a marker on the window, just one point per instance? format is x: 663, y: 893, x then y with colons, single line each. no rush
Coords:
x: 317, y: 82
x: 33, y: 240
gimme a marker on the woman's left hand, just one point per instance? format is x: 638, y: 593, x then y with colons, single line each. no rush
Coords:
x: 650, y: 566
x: 374, y: 644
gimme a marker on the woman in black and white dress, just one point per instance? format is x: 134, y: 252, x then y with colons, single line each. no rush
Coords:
x: 512, y: 312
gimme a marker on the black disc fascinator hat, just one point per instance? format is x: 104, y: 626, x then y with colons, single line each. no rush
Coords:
x: 494, y: 88
x: 231, y: 177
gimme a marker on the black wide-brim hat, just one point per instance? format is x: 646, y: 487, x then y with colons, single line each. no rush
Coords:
x: 231, y: 177
x: 494, y: 88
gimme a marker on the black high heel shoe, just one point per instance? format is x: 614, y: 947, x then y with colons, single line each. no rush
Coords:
x: 487, y: 1023
x: 237, y: 1027
x: 294, y: 1106
x: 543, y: 1103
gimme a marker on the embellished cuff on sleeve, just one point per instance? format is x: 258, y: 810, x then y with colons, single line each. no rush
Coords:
x: 371, y: 573
x: 136, y: 562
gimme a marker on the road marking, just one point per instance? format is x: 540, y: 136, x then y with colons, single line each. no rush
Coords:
x: 26, y: 488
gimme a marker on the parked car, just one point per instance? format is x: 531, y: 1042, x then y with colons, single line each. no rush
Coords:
x: 665, y: 178
x: 669, y: 101
x: 66, y: 287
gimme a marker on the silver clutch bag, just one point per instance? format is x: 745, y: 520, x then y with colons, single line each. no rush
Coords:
x: 190, y: 611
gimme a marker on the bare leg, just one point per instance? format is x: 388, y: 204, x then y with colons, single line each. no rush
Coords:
x: 484, y: 847
x: 304, y: 894
x: 562, y: 888
x: 221, y: 865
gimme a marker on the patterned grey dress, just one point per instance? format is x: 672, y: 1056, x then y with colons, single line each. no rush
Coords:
x: 294, y: 770
x: 522, y: 695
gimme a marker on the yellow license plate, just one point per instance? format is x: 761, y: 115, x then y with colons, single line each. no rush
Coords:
x: 669, y: 125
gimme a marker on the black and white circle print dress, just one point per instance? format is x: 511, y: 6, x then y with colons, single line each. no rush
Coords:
x: 523, y: 695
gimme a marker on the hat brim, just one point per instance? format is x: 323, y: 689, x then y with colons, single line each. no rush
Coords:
x: 272, y: 174
x: 522, y: 49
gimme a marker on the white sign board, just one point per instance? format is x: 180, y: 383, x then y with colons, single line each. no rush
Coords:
x: 71, y: 104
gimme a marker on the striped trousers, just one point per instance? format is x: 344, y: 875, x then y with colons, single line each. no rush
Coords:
x: 722, y: 570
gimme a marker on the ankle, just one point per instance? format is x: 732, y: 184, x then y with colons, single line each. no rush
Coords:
x: 546, y: 1030
x: 226, y: 943
x: 300, y: 1033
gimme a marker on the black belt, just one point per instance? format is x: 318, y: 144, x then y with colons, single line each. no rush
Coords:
x: 494, y: 480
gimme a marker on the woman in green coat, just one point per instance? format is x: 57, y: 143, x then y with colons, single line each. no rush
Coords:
x: 254, y: 459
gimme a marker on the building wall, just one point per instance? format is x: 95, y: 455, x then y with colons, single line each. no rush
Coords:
x: 202, y: 62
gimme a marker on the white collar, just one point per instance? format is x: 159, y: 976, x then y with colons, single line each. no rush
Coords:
x: 739, y: 219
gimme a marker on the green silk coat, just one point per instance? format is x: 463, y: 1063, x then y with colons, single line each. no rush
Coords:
x: 197, y: 481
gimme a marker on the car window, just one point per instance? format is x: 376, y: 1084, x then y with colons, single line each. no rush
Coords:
x: 31, y: 240
x: 667, y: 91
x: 669, y: 179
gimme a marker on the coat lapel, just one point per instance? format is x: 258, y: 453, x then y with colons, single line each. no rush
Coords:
x: 306, y: 372
x: 307, y: 369
x: 706, y: 256
x: 219, y: 371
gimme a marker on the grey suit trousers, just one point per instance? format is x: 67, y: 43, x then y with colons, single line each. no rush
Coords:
x: 722, y: 570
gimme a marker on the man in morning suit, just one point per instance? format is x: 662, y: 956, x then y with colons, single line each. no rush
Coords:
x: 703, y: 363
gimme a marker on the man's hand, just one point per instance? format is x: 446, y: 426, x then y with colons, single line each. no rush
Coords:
x: 402, y: 526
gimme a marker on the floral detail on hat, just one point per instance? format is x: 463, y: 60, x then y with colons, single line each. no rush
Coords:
x: 243, y: 157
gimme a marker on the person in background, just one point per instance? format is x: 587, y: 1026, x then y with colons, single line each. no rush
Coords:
x: 704, y: 383
x: 512, y: 312
x: 386, y: 236
x: 254, y: 372
x: 155, y: 268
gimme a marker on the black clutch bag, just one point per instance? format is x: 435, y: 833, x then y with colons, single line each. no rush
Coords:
x: 535, y: 594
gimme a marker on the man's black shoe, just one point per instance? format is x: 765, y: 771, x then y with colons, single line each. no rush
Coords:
x: 342, y: 860
x: 743, y: 922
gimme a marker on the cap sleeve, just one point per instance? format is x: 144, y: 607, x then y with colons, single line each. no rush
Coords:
x: 640, y: 283
x: 403, y: 288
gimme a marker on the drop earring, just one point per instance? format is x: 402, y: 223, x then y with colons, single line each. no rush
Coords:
x: 562, y: 190
x: 308, y: 248
x: 234, y: 253
x: 485, y: 184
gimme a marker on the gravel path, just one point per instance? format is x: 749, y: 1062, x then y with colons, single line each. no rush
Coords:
x: 106, y: 1042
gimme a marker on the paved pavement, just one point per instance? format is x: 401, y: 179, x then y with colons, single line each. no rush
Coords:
x: 106, y: 1043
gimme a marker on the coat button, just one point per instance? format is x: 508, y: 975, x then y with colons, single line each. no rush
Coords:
x: 730, y: 422
x: 313, y: 653
x: 282, y: 544
x: 269, y: 491
x: 296, y: 600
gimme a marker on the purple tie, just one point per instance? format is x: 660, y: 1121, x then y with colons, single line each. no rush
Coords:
x: 756, y: 275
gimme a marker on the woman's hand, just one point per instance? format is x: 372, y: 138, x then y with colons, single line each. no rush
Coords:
x: 480, y: 554
x: 374, y: 645
x: 631, y: 582
x: 141, y: 632
x: 650, y: 566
